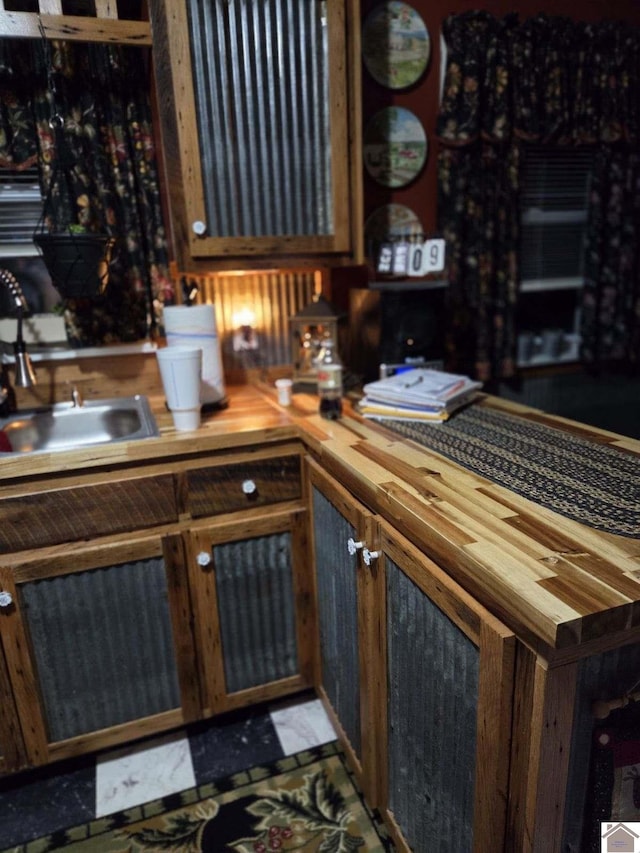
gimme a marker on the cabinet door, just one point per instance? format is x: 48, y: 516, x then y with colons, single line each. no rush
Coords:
x: 254, y: 106
x: 12, y: 755
x: 445, y: 715
x: 97, y: 643
x: 251, y: 603
x: 342, y: 528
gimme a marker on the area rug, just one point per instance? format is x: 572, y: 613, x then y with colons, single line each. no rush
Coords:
x: 581, y: 479
x: 306, y: 802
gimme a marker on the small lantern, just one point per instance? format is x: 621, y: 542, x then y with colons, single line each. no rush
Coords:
x: 310, y: 327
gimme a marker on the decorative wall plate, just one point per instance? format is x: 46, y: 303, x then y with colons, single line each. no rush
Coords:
x: 395, y: 147
x: 395, y: 44
x: 392, y: 221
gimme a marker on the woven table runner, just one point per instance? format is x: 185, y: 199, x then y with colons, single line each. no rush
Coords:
x: 595, y: 485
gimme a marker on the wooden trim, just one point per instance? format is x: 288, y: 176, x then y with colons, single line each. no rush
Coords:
x: 23, y: 680
x: 353, y: 759
x: 372, y: 649
x: 354, y: 78
x: 519, y: 828
x: 80, y: 556
x: 12, y: 752
x: 183, y: 641
x: 495, y: 705
x: 552, y: 723
x: 264, y: 692
x: 114, y: 735
x: 304, y: 595
x: 206, y: 625
x: 75, y: 28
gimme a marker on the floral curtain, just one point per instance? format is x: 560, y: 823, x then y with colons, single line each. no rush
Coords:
x: 101, y: 93
x: 546, y: 80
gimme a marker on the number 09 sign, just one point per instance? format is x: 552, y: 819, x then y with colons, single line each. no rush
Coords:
x: 411, y: 259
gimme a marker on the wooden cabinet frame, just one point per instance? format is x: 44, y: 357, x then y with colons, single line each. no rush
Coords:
x: 496, y: 646
x: 496, y: 655
x: 201, y: 538
x: 183, y: 161
x: 14, y: 634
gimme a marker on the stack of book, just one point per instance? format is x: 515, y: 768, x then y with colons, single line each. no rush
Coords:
x: 419, y: 394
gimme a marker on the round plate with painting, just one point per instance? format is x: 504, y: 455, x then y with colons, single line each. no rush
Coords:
x: 392, y: 221
x: 395, y: 147
x: 395, y: 45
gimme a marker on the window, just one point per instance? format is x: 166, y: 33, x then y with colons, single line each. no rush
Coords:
x: 20, y: 210
x: 553, y: 205
x: 553, y: 219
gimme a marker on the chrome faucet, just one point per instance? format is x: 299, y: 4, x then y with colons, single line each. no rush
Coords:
x: 24, y: 374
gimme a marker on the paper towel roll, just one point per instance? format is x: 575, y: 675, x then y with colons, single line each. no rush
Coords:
x: 195, y: 325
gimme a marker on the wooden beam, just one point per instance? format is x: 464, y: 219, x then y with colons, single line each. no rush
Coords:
x: 74, y: 28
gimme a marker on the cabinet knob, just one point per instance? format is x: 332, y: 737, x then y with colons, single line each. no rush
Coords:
x: 6, y: 599
x: 199, y: 228
x: 249, y: 487
x: 369, y: 556
x: 203, y: 558
x: 353, y: 546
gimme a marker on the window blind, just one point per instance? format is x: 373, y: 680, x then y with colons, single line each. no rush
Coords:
x: 553, y: 215
x: 20, y: 210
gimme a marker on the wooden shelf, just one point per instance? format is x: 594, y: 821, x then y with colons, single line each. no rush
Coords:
x: 105, y: 26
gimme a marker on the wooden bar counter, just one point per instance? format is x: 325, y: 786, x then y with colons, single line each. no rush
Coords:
x: 560, y: 599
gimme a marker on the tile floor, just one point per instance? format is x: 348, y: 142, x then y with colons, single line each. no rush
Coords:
x: 40, y: 802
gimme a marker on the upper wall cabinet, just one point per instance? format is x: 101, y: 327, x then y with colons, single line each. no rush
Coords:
x: 258, y: 105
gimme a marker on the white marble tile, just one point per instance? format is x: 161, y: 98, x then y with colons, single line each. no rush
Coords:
x: 302, y: 725
x: 135, y: 775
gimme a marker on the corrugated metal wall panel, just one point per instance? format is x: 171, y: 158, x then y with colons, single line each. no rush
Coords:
x: 273, y: 296
x: 601, y: 677
x: 261, y: 76
x: 338, y: 615
x: 433, y: 695
x: 254, y: 583
x: 103, y: 645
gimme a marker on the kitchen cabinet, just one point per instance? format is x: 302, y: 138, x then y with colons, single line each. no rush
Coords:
x: 259, y: 110
x: 251, y: 606
x: 97, y: 643
x: 12, y: 755
x: 344, y: 616
x: 135, y: 601
x: 418, y: 676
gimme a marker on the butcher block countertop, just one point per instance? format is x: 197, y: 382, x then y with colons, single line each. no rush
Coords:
x: 566, y: 589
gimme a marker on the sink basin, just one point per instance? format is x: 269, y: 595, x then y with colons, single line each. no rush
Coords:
x: 67, y: 427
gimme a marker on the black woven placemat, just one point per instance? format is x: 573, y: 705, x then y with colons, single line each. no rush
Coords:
x: 598, y: 486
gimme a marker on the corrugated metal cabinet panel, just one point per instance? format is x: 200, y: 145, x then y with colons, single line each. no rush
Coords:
x: 261, y: 118
x: 251, y: 603
x: 345, y: 673
x: 445, y: 707
x: 96, y: 647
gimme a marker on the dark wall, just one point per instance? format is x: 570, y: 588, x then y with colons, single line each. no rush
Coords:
x: 422, y: 98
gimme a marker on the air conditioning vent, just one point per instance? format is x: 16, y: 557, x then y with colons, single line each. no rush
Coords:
x: 20, y: 210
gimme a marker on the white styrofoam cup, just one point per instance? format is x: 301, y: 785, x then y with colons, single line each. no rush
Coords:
x: 181, y: 372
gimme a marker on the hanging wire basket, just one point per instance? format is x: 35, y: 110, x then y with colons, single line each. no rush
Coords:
x: 76, y: 257
x: 77, y: 263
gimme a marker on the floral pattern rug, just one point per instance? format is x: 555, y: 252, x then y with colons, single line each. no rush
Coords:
x: 305, y: 802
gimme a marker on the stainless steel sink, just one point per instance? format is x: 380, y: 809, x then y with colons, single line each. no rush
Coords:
x: 67, y: 427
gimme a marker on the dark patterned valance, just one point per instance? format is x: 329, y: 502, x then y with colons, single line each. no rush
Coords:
x: 545, y: 79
